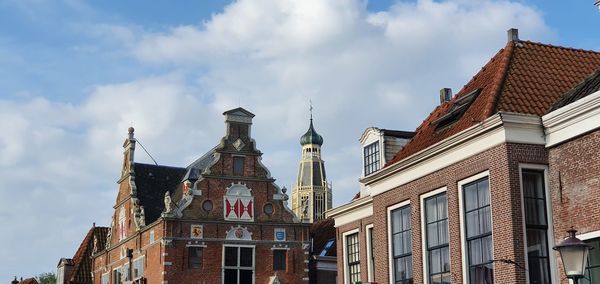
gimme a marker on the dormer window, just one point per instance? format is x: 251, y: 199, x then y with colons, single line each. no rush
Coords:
x: 456, y: 110
x: 371, y: 158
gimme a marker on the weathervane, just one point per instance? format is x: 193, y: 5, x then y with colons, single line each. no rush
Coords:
x: 310, y: 108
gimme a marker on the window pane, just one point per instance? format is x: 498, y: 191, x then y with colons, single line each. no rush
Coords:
x: 407, y: 242
x: 442, y: 207
x: 397, y: 244
x: 470, y: 197
x: 231, y: 276
x: 538, y: 271
x: 475, y: 252
x: 445, y: 259
x: 238, y: 166
x: 483, y: 194
x: 246, y: 257
x: 246, y: 276
x: 406, y: 223
x: 443, y: 232
x: 195, y: 257
x: 472, y: 223
x: 231, y: 254
x: 396, y: 221
x: 432, y: 235
x: 430, y: 207
x: 435, y: 261
x: 537, y: 243
x: 279, y: 259
x: 485, y: 220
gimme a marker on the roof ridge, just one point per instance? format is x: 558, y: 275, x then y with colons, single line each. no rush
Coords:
x: 559, y: 46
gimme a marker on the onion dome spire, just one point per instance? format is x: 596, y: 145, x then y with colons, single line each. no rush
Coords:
x: 311, y: 136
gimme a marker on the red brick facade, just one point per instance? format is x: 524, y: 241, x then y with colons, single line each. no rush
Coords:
x: 575, y: 186
x: 166, y: 258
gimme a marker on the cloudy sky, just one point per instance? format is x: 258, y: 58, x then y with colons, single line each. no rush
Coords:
x: 75, y: 74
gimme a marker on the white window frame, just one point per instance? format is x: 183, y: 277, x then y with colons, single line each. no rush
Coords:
x: 587, y: 236
x: 345, y: 249
x: 463, y: 235
x: 389, y: 237
x: 133, y: 266
x: 370, y: 264
x: 380, y: 155
x: 103, y: 275
x: 239, y: 246
x: 550, y: 233
x: 424, y: 231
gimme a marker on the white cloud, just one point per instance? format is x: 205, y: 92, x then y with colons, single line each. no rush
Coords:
x: 360, y: 69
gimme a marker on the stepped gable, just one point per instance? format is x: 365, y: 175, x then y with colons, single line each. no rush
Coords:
x: 82, y: 260
x: 152, y: 181
x: 524, y: 77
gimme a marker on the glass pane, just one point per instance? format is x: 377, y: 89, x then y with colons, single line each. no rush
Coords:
x: 400, y: 264
x: 230, y: 276
x: 246, y: 256
x: 475, y: 252
x: 245, y: 276
x: 472, y: 224
x: 407, y: 242
x: 538, y: 271
x: 485, y: 220
x: 231, y: 256
x: 442, y: 206
x: 409, y: 267
x: 537, y: 243
x: 487, y: 248
x: 483, y: 192
x: 470, y: 197
x: 406, y: 219
x: 445, y: 258
x: 431, y: 210
x: 594, y: 255
x: 397, y: 244
x: 443, y: 232
x: 435, y: 262
x: 432, y: 235
x: 396, y: 221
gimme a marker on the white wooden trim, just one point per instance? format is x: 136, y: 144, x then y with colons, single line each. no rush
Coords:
x: 461, y: 211
x: 370, y: 264
x: 572, y: 120
x: 550, y: 233
x: 391, y: 271
x: 352, y: 211
x: 589, y: 235
x: 345, y: 254
x: 424, y: 230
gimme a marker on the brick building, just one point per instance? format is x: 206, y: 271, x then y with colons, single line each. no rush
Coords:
x: 221, y: 219
x: 486, y: 187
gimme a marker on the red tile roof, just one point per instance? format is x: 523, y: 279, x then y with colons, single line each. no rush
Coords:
x: 524, y: 77
x: 29, y: 281
x: 82, y: 260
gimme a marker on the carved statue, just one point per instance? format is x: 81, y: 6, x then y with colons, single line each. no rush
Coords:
x: 109, y: 234
x: 95, y: 249
x: 168, y: 203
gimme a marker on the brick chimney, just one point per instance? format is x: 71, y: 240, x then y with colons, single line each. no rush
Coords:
x: 445, y: 95
x: 513, y: 34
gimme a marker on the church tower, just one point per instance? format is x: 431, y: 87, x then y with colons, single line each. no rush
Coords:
x: 311, y: 194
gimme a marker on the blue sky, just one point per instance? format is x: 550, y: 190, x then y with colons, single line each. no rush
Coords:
x: 75, y: 74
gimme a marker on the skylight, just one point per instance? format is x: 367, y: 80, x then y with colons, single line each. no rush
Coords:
x: 456, y: 110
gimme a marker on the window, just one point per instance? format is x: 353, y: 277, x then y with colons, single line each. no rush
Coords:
x: 353, y: 257
x: 122, y: 228
x: 152, y: 236
x: 117, y: 275
x: 279, y: 259
x: 238, y: 265
x: 592, y: 272
x: 238, y: 166
x: 370, y: 252
x: 327, y: 247
x: 457, y: 109
x: 478, y: 226
x: 194, y: 257
x: 371, y: 156
x: 104, y: 280
x: 138, y: 268
x: 536, y: 226
x: 438, y: 255
x: 401, y: 245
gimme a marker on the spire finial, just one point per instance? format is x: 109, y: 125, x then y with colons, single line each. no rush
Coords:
x: 310, y: 108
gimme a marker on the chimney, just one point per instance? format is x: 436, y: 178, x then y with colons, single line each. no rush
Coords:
x: 445, y: 95
x: 513, y: 34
